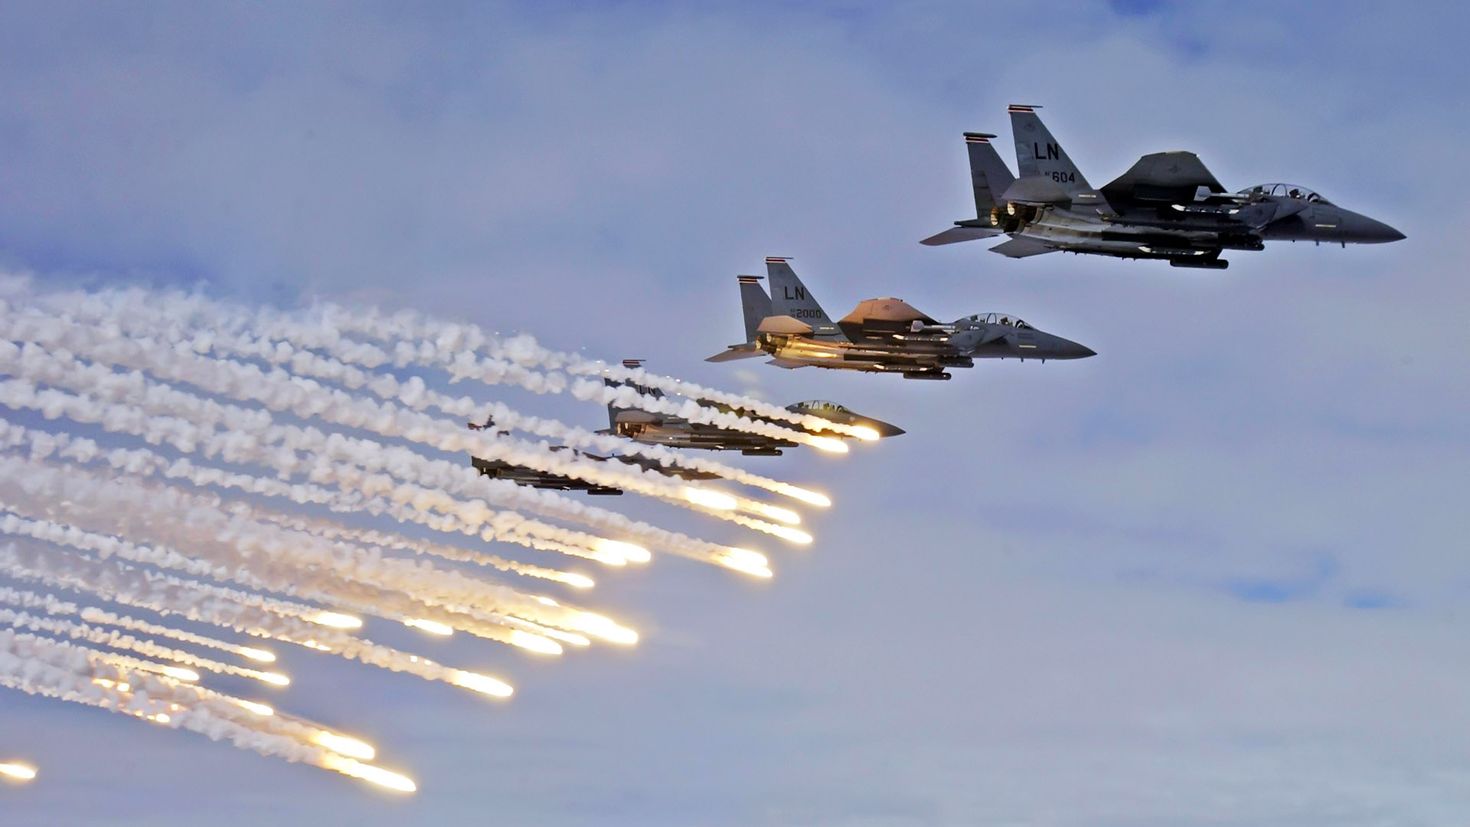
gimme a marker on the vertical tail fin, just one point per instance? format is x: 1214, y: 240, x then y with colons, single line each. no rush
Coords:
x: 988, y: 172
x: 789, y: 297
x: 754, y: 302
x: 1038, y: 153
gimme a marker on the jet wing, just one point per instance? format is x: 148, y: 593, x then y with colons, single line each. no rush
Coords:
x: 734, y: 352
x: 954, y: 235
x: 1162, y: 177
x: 1022, y: 248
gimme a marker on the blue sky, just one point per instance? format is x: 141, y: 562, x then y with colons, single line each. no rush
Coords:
x: 1212, y: 576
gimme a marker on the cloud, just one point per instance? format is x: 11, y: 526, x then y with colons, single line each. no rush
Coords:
x: 1054, y: 601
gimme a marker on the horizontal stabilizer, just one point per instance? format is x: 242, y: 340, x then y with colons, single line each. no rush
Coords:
x: 784, y: 326
x: 954, y: 235
x: 1022, y: 248
x: 638, y: 417
x: 734, y: 352
x: 1036, y: 190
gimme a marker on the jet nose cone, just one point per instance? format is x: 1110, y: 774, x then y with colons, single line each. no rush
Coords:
x: 884, y: 429
x: 1365, y: 230
x: 1377, y: 232
x: 1071, y: 350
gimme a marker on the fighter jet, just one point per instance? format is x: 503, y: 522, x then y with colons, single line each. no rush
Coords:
x: 885, y: 335
x: 523, y: 475
x: 1166, y: 206
x: 676, y: 432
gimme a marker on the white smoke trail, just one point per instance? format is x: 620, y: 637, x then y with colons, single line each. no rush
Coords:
x: 121, y: 361
x: 159, y: 593
x: 72, y: 673
x: 242, y: 612
x: 146, y: 648
x: 42, y: 444
x: 469, y: 352
x: 307, y: 398
x: 279, y: 560
x: 414, y: 339
x: 53, y: 605
x: 377, y: 541
x: 252, y: 441
x: 139, y: 313
x: 402, y: 502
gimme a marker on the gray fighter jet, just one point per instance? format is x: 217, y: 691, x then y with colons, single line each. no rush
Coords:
x: 523, y: 475
x: 879, y: 336
x: 1166, y: 206
x: 676, y: 432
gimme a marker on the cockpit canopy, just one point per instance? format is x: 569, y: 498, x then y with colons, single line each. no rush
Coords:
x: 817, y: 406
x: 1004, y: 319
x: 1295, y: 191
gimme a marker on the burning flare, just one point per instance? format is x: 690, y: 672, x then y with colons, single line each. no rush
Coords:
x: 746, y: 561
x: 707, y: 498
x: 387, y: 779
x: 806, y: 495
x: 344, y: 745
x: 483, y: 684
x: 578, y: 581
x: 789, y: 534
x: 17, y: 771
x: 254, y: 708
x: 532, y: 642
x: 335, y: 620
x: 258, y: 655
x: 777, y: 513
x: 273, y: 678
x: 622, y: 552
x: 433, y: 627
x: 828, y: 444
x: 178, y: 673
x: 605, y: 628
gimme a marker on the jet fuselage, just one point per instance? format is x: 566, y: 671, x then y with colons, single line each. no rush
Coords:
x: 1166, y: 206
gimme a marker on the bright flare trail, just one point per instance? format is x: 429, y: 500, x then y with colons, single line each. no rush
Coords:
x: 293, y: 476
x: 16, y: 771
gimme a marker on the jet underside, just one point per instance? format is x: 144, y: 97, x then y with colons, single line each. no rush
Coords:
x: 707, y: 438
x: 1141, y: 236
x: 841, y: 355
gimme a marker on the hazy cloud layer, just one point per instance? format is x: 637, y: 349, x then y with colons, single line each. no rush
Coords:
x: 1213, y: 576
